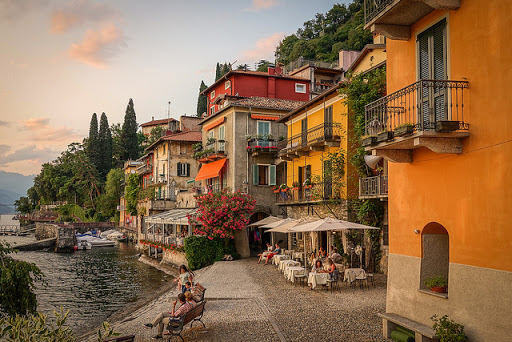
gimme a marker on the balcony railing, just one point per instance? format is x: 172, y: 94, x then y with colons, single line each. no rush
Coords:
x: 321, y: 87
x: 148, y: 168
x: 212, y: 150
x: 422, y: 104
x: 373, y: 7
x: 323, y: 133
x: 312, y: 193
x: 373, y: 187
x: 263, y: 145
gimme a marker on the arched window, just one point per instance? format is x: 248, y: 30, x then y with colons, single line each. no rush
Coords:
x: 435, y: 244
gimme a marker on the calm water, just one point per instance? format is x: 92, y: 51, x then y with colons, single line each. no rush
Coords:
x: 91, y: 284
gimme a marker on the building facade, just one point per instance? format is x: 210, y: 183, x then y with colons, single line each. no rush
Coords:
x: 448, y: 160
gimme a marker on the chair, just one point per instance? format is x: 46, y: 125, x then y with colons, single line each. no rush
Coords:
x: 334, y: 279
x: 302, y: 278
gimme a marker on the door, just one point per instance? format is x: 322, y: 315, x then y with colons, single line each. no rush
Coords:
x: 304, y: 126
x: 263, y: 132
x: 432, y: 58
x: 328, y: 123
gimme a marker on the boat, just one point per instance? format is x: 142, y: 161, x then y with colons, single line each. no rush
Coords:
x: 94, y: 241
x: 84, y: 245
x: 115, y: 236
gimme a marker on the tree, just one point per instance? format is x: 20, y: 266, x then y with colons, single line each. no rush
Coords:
x: 109, y: 201
x: 129, y: 137
x: 263, y: 65
x: 23, y: 205
x: 202, y: 101
x: 105, y: 144
x: 226, y: 67
x: 132, y: 191
x: 117, y: 146
x: 93, y: 148
x: 221, y: 214
x: 217, y: 72
x: 17, y: 281
x: 243, y: 67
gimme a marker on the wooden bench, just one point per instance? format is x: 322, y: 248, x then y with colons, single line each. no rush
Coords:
x: 422, y: 332
x: 129, y: 338
x: 175, y: 328
x: 200, y: 294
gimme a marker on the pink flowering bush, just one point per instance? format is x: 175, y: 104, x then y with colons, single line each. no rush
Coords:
x: 221, y: 214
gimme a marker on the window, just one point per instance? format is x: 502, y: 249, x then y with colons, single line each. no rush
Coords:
x: 163, y: 149
x: 212, y: 110
x: 435, y: 259
x: 385, y: 236
x: 264, y: 174
x: 264, y: 131
x: 300, y: 88
x: 212, y: 94
x: 222, y: 143
x: 227, y: 84
x: 183, y: 170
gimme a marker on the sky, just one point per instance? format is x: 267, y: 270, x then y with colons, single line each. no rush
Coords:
x: 63, y: 60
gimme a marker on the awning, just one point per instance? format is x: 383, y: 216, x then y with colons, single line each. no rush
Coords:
x: 174, y: 216
x: 214, y: 124
x: 265, y: 117
x: 211, y: 170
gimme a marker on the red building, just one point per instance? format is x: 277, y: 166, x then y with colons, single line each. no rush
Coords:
x: 272, y: 84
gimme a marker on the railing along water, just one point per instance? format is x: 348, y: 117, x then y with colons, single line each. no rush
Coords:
x: 421, y: 104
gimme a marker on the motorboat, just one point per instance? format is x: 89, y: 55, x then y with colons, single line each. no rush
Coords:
x: 94, y: 241
x: 107, y: 233
x: 85, y: 245
x: 115, y: 236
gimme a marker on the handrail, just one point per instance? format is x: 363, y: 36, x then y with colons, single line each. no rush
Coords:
x: 318, y: 133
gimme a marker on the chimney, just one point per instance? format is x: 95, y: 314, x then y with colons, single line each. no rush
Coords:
x: 152, y: 118
x: 279, y: 68
x: 271, y: 70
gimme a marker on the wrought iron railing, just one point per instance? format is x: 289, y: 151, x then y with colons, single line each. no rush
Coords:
x: 147, y: 168
x: 217, y: 146
x: 264, y: 145
x: 309, y: 193
x: 321, y: 87
x: 373, y: 186
x: 327, y: 132
x: 420, y: 104
x: 373, y: 7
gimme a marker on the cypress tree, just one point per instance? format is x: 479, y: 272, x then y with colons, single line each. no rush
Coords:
x: 201, y: 100
x: 93, y: 147
x: 217, y: 72
x: 225, y: 69
x: 129, y: 133
x: 105, y: 144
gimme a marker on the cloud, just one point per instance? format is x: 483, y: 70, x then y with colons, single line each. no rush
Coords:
x: 4, y: 123
x: 16, y: 9
x: 28, y: 153
x: 258, y: 5
x: 264, y: 48
x: 98, y: 47
x: 35, y: 123
x: 43, y: 131
x: 4, y: 149
x: 78, y: 13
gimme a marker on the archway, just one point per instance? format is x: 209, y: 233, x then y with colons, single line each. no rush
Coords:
x: 435, y: 253
x: 257, y: 246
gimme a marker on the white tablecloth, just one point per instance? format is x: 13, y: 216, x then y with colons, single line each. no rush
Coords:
x: 278, y: 257
x: 351, y: 274
x: 318, y: 279
x: 297, y: 255
x: 284, y: 263
x: 291, y: 272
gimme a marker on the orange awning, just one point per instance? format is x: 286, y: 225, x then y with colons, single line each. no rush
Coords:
x: 214, y: 124
x: 211, y: 170
x: 265, y: 117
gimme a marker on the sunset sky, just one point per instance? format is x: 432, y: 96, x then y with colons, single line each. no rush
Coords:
x: 61, y: 61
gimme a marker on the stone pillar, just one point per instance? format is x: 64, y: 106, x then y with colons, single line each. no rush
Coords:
x: 65, y: 240
x: 242, y: 243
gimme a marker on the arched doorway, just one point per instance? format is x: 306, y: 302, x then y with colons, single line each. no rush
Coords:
x: 435, y: 253
x: 258, y: 245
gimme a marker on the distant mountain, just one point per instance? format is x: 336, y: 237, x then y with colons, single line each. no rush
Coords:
x: 12, y: 186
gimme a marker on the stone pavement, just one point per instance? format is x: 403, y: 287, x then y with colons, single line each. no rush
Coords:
x: 251, y: 302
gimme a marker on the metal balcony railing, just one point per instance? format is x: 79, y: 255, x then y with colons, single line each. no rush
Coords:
x: 321, y: 87
x: 373, y: 7
x: 421, y: 104
x: 373, y: 187
x: 326, y: 132
x: 312, y: 193
x: 263, y: 145
x: 148, y: 168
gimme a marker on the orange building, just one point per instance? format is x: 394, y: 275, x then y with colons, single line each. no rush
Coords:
x: 448, y: 62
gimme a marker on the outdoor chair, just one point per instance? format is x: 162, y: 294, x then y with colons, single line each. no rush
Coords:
x: 301, y: 278
x: 334, y: 279
x: 371, y: 278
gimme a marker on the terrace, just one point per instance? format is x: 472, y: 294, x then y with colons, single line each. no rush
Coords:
x: 314, y: 139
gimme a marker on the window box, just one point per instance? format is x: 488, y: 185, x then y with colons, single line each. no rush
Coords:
x: 384, y: 136
x: 369, y: 140
x: 445, y: 126
x: 404, y: 130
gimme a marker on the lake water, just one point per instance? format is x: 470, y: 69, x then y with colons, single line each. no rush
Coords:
x: 91, y: 284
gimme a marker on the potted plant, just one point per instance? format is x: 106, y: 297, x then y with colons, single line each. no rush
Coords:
x: 284, y: 187
x: 281, y: 138
x: 384, y: 136
x: 269, y: 137
x: 447, y: 330
x: 437, y: 284
x: 403, y: 129
x: 295, y: 185
x: 308, y: 184
x: 249, y: 138
x: 275, y: 189
x: 445, y: 126
x: 369, y: 140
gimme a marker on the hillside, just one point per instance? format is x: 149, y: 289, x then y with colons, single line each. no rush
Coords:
x: 12, y: 187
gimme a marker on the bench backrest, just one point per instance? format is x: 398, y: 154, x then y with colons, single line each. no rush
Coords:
x: 196, y: 311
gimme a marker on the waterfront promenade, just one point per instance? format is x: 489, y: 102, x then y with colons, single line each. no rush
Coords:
x: 251, y: 302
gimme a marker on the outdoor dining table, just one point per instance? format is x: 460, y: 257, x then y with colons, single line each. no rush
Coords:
x: 279, y: 257
x: 291, y: 272
x: 284, y: 263
x: 297, y: 255
x: 317, y: 279
x: 353, y: 274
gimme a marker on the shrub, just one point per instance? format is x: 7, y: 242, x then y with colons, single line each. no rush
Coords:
x: 437, y: 280
x: 201, y: 251
x: 448, y: 330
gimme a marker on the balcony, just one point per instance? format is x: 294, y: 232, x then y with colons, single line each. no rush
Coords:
x: 261, y: 147
x: 162, y: 204
x: 393, y: 18
x: 308, y: 194
x: 314, y: 139
x: 213, y: 150
x: 427, y: 113
x: 145, y: 169
x: 373, y: 187
x: 321, y: 87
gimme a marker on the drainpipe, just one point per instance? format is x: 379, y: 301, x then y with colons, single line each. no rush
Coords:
x: 247, y: 154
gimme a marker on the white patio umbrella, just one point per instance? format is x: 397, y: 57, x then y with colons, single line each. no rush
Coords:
x: 285, y: 226
x: 276, y: 224
x: 329, y: 224
x: 266, y: 220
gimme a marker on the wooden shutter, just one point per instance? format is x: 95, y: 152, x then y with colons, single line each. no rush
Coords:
x: 272, y: 176
x: 188, y: 170
x: 178, y: 168
x: 308, y: 172
x: 255, y: 175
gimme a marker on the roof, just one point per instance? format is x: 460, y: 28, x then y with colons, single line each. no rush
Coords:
x: 174, y: 216
x: 251, y: 73
x: 260, y: 102
x: 192, y: 136
x: 307, y: 104
x: 367, y: 48
x: 157, y: 122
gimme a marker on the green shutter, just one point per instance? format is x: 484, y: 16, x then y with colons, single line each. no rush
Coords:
x: 178, y: 170
x: 272, y: 177
x: 255, y: 175
x: 188, y: 170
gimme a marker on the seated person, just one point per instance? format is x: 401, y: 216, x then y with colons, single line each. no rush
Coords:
x: 332, y: 267
x: 264, y: 254
x: 277, y: 250
x: 322, y: 253
x: 318, y: 267
x: 335, y: 256
x: 190, y: 298
x: 165, y: 317
x: 188, y: 287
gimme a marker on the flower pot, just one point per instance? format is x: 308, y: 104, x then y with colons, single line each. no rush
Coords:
x: 276, y: 191
x: 438, y: 289
x: 447, y: 126
x: 384, y: 136
x: 404, y: 130
x: 295, y: 189
x: 369, y: 141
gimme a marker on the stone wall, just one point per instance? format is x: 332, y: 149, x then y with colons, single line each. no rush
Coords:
x: 174, y: 258
x: 46, y: 230
x: 65, y: 240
